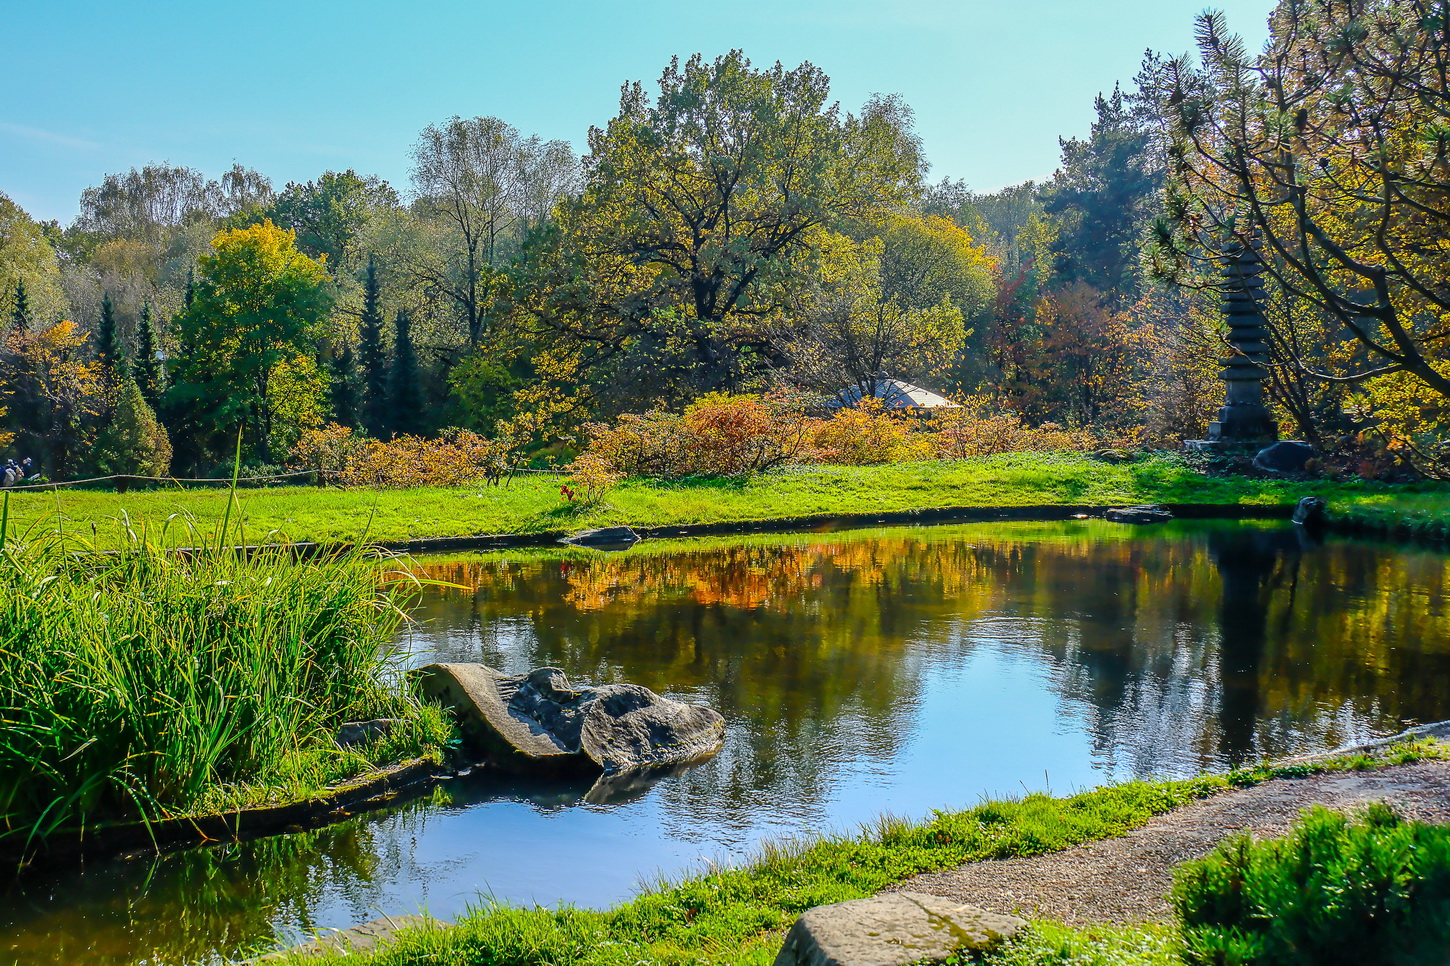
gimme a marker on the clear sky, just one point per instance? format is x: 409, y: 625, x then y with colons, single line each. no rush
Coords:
x: 295, y: 88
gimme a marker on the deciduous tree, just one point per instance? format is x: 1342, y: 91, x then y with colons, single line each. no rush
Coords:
x: 258, y: 305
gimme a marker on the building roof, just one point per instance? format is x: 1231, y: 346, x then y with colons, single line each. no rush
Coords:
x: 894, y: 394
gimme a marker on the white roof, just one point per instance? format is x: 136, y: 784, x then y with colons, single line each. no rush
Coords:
x: 894, y: 394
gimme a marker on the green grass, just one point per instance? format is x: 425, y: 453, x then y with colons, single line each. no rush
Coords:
x: 739, y: 915
x: 532, y: 504
x: 142, y: 683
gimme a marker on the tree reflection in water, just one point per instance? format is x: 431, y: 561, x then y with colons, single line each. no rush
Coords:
x: 857, y: 671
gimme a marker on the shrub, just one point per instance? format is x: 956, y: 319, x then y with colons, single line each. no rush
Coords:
x: 457, y: 458
x: 717, y: 435
x: 1366, y: 892
x: 982, y: 428
x: 134, y: 442
x: 869, y: 433
x: 590, y: 478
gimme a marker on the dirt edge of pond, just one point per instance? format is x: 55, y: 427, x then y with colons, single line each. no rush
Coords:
x: 1125, y: 880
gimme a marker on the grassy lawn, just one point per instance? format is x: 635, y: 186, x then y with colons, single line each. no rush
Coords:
x: 739, y: 915
x: 532, y: 504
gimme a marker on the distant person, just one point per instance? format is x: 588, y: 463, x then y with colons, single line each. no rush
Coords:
x: 27, y: 469
x: 12, y: 473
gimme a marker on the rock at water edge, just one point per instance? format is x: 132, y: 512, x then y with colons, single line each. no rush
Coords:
x: 1286, y: 456
x: 538, y: 723
x: 892, y: 929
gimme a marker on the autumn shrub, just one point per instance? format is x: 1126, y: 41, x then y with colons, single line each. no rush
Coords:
x: 869, y: 433
x: 717, y: 435
x: 982, y: 428
x: 591, y: 477
x: 457, y: 458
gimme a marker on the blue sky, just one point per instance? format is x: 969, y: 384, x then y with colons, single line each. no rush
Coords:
x: 295, y: 88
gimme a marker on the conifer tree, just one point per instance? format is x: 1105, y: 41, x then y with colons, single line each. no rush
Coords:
x: 20, y: 315
x: 150, y: 373
x: 372, y: 357
x: 109, y: 352
x: 344, y: 387
x: 407, y: 397
x: 134, y: 442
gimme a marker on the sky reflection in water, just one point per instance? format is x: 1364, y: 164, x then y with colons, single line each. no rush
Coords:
x: 860, y: 673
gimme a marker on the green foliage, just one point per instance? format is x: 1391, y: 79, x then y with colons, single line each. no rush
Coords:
x: 372, y: 356
x: 343, y: 386
x: 1365, y: 891
x: 257, y: 309
x: 697, y: 206
x: 1050, y: 944
x: 482, y: 386
x: 136, y: 682
x: 133, y: 443
x: 30, y: 279
x: 329, y: 215
x: 109, y: 351
x: 405, y: 401
x: 150, y: 372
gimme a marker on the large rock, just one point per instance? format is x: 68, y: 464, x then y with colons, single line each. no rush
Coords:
x: 1312, y: 513
x: 1285, y: 456
x: 605, y: 538
x: 892, y: 929
x: 1138, y: 514
x: 538, y: 723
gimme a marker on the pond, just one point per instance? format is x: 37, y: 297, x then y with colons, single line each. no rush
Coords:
x: 860, y: 672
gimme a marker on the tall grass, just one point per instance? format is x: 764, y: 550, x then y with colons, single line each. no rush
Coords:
x: 134, y: 681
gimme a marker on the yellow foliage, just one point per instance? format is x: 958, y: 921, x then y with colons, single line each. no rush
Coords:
x: 868, y: 433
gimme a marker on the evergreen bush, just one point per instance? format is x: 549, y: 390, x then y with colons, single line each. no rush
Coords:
x: 1367, y: 891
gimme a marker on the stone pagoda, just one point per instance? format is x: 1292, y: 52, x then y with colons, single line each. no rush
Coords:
x: 1243, y: 421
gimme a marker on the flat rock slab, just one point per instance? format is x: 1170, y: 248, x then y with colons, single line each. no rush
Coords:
x: 355, y: 939
x: 538, y: 723
x: 893, y: 929
x: 1138, y: 514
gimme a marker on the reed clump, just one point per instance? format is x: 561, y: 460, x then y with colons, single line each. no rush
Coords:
x: 138, y: 682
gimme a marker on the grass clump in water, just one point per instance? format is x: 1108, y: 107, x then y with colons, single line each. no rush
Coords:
x: 144, y: 682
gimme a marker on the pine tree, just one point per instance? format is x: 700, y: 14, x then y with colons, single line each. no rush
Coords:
x: 109, y: 352
x: 20, y: 315
x: 373, y: 358
x: 150, y: 372
x: 407, y: 397
x: 134, y: 442
x: 344, y: 387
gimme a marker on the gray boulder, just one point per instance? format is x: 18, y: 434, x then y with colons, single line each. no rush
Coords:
x: 1138, y: 514
x: 537, y: 723
x: 892, y: 929
x: 1312, y: 513
x: 605, y: 538
x: 1285, y: 456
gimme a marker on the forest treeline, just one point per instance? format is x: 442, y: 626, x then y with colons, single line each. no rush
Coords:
x: 734, y: 230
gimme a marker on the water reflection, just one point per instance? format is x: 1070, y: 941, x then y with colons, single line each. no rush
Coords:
x: 860, y: 672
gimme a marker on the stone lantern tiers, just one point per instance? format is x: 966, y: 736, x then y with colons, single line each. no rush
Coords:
x: 1243, y: 417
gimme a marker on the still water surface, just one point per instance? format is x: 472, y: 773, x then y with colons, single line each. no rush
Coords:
x: 860, y: 673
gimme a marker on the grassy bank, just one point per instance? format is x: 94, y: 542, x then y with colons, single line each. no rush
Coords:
x: 148, y: 684
x: 533, y: 505
x: 738, y: 916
